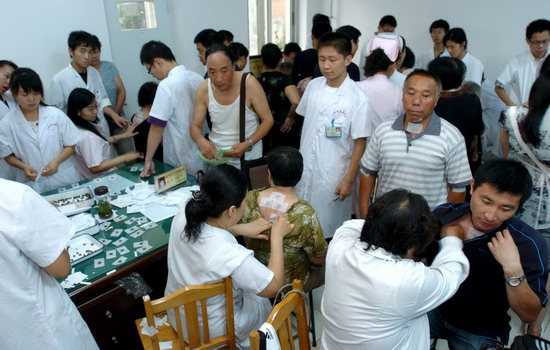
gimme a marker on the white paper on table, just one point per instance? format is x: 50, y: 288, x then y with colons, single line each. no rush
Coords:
x: 135, y: 208
x: 159, y: 212
x: 82, y: 221
x: 165, y: 345
x: 72, y: 279
x: 150, y: 331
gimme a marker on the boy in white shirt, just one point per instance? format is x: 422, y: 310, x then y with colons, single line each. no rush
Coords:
x: 334, y: 134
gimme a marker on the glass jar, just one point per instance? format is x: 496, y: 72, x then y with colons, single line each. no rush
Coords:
x: 102, y: 201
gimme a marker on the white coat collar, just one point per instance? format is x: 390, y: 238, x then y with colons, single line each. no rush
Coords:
x: 24, y: 124
x: 342, y: 90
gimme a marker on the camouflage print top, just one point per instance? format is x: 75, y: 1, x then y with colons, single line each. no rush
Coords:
x: 304, y: 241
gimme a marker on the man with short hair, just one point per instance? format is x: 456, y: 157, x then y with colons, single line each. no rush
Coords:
x: 507, y: 261
x: 522, y: 70
x: 438, y: 29
x: 80, y: 74
x: 305, y: 61
x: 204, y: 39
x: 220, y: 95
x: 171, y: 113
x: 387, y: 24
x: 418, y: 151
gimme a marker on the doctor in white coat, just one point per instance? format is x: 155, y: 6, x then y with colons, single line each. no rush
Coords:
x: 7, y: 104
x: 333, y: 136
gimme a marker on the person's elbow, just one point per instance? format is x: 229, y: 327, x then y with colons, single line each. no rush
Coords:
x: 61, y: 267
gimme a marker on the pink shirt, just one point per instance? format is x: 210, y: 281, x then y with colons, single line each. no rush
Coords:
x: 91, y: 151
x: 385, y: 99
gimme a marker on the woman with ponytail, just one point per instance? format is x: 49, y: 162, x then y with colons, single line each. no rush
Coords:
x: 203, y: 249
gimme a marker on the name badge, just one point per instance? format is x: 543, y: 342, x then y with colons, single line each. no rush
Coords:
x: 333, y: 132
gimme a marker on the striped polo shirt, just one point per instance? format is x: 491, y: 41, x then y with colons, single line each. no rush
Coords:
x: 428, y: 163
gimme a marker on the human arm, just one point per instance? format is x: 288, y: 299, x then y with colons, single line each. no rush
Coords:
x: 253, y: 229
x: 501, y: 93
x: 293, y: 96
x: 504, y: 143
x: 345, y: 188
x: 128, y: 133
x: 207, y: 148
x: 61, y: 267
x: 366, y: 186
x: 456, y: 197
x: 121, y: 122
x: 120, y: 94
x: 522, y: 299
x: 280, y: 228
x: 258, y: 104
x: 111, y: 163
x: 153, y: 141
x: 30, y: 172
x: 51, y: 167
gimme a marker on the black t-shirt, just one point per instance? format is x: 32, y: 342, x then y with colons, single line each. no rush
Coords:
x: 480, y: 305
x: 274, y: 84
x: 353, y: 72
x: 304, y: 62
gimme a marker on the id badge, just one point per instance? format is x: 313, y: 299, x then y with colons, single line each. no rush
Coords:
x: 333, y: 132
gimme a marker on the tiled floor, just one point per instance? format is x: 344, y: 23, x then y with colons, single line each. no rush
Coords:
x: 516, y: 323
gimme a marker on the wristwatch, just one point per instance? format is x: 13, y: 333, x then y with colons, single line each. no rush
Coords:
x: 515, y: 281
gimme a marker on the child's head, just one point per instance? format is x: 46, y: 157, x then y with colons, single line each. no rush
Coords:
x: 146, y: 93
x: 334, y: 51
x: 26, y: 87
x: 82, y: 105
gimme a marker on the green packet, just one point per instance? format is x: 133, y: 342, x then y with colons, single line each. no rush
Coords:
x: 219, y: 153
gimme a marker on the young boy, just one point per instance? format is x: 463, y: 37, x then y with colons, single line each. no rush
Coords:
x: 334, y: 134
x: 80, y: 74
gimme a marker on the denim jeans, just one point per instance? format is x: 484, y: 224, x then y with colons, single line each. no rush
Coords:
x: 457, y: 338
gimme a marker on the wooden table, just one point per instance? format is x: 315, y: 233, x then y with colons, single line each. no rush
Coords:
x: 107, y: 309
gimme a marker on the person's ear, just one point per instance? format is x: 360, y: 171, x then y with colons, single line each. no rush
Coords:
x: 232, y: 210
x: 348, y: 59
x: 471, y: 186
x: 71, y: 52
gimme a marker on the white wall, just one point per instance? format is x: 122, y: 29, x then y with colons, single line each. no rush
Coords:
x: 35, y: 33
x: 495, y: 28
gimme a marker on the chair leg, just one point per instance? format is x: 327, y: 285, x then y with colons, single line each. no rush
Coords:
x: 312, y: 320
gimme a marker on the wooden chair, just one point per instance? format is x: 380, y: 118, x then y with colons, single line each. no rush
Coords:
x: 280, y: 319
x: 188, y: 298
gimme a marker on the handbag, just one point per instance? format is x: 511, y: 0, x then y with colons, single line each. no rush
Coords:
x: 255, y: 170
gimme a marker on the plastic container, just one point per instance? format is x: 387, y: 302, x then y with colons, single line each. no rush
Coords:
x: 102, y: 200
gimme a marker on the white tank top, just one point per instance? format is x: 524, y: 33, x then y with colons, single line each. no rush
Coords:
x: 225, y: 126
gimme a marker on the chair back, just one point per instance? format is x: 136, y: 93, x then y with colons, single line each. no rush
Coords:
x: 280, y: 319
x: 189, y: 297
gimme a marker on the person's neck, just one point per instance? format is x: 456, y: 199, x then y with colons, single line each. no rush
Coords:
x: 30, y: 115
x: 145, y: 110
x: 462, y: 54
x: 79, y: 68
x: 438, y: 49
x: 276, y: 69
x: 336, y: 82
x: 424, y: 122
x: 288, y: 191
x: 97, y: 66
x: 217, y: 222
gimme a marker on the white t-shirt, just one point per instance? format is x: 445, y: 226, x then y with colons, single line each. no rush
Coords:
x: 36, y: 312
x: 90, y: 152
x: 474, y: 69
x: 214, y: 256
x: 378, y: 301
x: 427, y: 56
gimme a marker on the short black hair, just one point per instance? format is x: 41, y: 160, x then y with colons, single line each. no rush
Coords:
x: 458, y: 35
x: 426, y: 74
x: 450, y: 71
x: 226, y: 35
x: 320, y: 18
x: 96, y: 44
x: 352, y: 32
x: 286, y: 165
x: 410, y: 58
x: 505, y: 175
x: 221, y: 48
x: 339, y: 41
x: 440, y: 23
x: 538, y: 26
x: 208, y: 37
x: 239, y: 50
x: 79, y: 37
x: 8, y: 63
x: 320, y: 28
x: 398, y: 221
x: 271, y: 55
x: 377, y: 61
x: 25, y: 80
x: 146, y: 93
x: 292, y: 47
x: 389, y: 20
x: 155, y: 49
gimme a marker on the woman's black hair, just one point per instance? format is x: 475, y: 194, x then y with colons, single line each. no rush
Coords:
x: 26, y: 80
x: 377, y: 62
x: 271, y: 55
x: 8, y: 63
x: 450, y: 71
x: 78, y: 99
x: 146, y: 93
x: 539, y: 101
x: 286, y: 165
x: 458, y: 35
x: 222, y: 187
x: 398, y: 221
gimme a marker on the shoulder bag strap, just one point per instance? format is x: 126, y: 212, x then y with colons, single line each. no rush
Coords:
x: 242, y: 105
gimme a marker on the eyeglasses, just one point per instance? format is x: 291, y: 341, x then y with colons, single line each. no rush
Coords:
x: 539, y: 42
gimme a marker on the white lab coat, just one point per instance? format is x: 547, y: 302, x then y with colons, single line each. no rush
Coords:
x: 6, y: 170
x: 36, y: 312
x: 68, y: 79
x: 326, y: 160
x: 56, y: 131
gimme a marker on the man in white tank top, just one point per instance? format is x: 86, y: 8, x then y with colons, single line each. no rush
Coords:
x: 220, y: 96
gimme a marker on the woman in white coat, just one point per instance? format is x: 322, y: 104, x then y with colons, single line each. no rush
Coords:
x: 202, y: 249
x: 7, y: 104
x: 457, y: 45
x: 37, y: 140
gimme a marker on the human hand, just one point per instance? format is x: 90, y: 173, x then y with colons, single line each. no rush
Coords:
x: 208, y: 149
x: 128, y: 157
x: 148, y: 168
x: 452, y: 230
x: 287, y: 125
x: 344, y: 189
x: 121, y: 122
x: 129, y: 132
x: 505, y: 251
x: 50, y: 168
x: 254, y: 229
x: 238, y: 150
x: 281, y: 227
x: 30, y: 172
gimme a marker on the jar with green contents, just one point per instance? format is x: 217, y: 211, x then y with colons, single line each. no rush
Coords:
x: 102, y: 200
